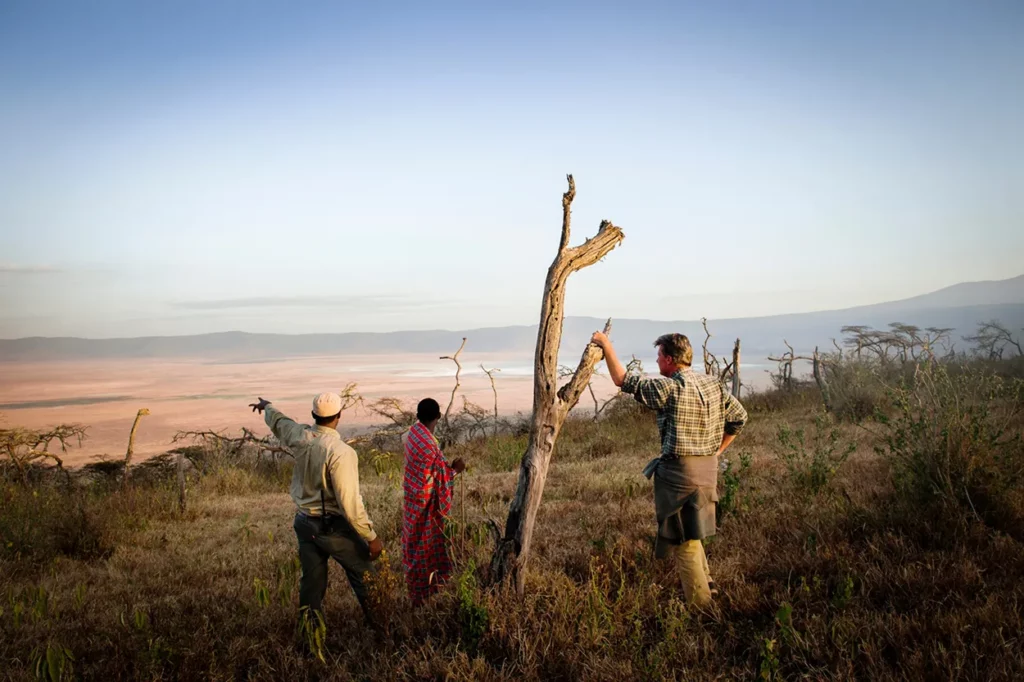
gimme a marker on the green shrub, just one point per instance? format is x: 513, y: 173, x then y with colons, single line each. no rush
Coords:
x: 812, y: 461
x: 955, y: 447
x: 732, y: 478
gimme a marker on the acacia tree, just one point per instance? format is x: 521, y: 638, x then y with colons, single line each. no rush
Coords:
x: 993, y: 339
x: 551, y: 405
x: 23, y: 447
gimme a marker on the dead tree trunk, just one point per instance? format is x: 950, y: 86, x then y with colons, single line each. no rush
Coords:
x: 446, y: 431
x: 549, y: 407
x: 181, y: 481
x: 711, y: 365
x: 819, y: 378
x: 131, y: 445
x: 736, y: 385
x: 494, y: 390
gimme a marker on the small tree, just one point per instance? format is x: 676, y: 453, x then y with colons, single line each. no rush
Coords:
x: 23, y: 447
x: 992, y: 340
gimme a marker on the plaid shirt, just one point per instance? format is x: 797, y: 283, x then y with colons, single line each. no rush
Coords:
x: 694, y: 411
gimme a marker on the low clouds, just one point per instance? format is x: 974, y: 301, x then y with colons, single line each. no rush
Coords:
x: 360, y: 303
x: 11, y: 269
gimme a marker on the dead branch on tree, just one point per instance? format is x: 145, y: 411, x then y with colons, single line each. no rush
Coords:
x: 446, y: 432
x: 471, y: 420
x: 234, y: 446
x: 711, y: 365
x: 784, y: 379
x: 599, y: 407
x: 992, y: 340
x: 350, y: 396
x: 392, y: 409
x: 23, y: 447
x: 494, y: 389
x: 550, y: 406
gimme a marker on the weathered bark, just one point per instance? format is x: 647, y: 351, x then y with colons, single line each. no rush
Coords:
x: 131, y: 444
x: 550, y: 407
x: 736, y: 385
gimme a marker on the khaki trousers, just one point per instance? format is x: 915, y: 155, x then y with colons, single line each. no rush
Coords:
x: 692, y: 565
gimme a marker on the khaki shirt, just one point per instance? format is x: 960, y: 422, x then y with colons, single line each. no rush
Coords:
x: 323, y: 461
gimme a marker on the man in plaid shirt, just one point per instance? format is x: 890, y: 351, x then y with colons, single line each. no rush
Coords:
x: 697, y: 420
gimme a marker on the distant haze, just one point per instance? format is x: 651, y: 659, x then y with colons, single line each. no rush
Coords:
x: 960, y: 307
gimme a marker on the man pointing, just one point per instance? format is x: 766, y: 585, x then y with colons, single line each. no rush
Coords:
x: 331, y: 521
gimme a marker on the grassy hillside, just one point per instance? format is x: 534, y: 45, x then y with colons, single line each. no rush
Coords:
x: 842, y: 553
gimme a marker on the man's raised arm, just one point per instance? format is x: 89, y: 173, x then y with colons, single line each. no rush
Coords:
x: 652, y: 392
x: 287, y: 431
x: 611, y: 359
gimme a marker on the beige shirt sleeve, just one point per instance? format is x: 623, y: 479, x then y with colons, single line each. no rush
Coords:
x: 287, y: 431
x: 343, y: 465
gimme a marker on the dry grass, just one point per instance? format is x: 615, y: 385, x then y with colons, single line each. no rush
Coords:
x: 837, y: 584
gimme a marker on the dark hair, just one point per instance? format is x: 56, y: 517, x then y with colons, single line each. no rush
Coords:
x: 428, y: 410
x: 677, y: 347
x: 324, y: 421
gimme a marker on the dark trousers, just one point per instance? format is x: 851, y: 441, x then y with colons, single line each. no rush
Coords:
x: 320, y: 541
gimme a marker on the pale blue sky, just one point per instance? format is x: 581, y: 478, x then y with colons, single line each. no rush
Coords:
x: 180, y: 167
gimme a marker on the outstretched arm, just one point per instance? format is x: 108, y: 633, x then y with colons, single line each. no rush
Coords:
x: 615, y: 367
x: 653, y: 392
x: 287, y: 431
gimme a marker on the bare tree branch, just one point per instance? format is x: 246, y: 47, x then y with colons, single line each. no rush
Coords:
x: 569, y: 394
x: 494, y: 389
x: 25, y: 446
x: 711, y: 365
x: 567, y: 198
x: 458, y: 371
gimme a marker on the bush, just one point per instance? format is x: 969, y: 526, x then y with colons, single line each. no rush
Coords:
x: 857, y: 388
x: 50, y: 521
x: 812, y: 466
x: 955, y: 448
x: 803, y: 395
x: 732, y: 478
x: 40, y: 524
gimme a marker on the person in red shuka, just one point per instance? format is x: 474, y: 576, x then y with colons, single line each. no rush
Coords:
x: 427, y: 485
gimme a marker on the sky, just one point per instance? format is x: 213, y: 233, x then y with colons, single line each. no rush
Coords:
x: 179, y: 167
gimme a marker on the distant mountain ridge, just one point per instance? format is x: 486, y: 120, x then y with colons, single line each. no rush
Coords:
x: 961, y: 306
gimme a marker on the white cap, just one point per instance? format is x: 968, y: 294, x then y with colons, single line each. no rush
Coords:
x: 327, y: 405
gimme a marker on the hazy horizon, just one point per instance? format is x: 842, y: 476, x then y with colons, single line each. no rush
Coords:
x: 187, y: 168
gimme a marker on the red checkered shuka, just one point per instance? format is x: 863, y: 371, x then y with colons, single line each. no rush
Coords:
x: 428, y: 500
